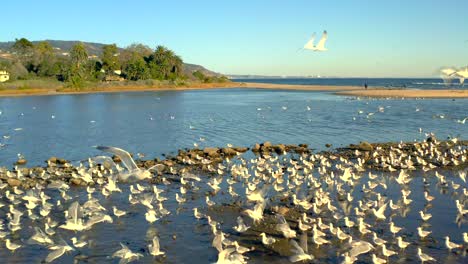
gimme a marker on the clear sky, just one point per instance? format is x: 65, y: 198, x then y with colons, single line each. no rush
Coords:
x: 398, y: 38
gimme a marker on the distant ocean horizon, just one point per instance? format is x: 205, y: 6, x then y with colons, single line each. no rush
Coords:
x: 411, y: 83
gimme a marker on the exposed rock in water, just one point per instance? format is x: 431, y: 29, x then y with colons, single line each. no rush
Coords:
x: 363, y: 146
x: 21, y: 162
x: 211, y: 152
x: 256, y: 147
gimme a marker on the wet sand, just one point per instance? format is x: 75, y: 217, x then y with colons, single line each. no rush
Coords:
x: 191, y: 86
x: 403, y: 93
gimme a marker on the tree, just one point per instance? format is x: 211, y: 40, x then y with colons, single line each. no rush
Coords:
x: 109, y: 58
x: 164, y: 64
x: 78, y: 55
x: 44, y: 59
x: 78, y: 72
x: 136, y: 69
x: 23, y: 47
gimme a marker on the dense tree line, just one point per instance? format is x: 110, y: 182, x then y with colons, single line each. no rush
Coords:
x: 136, y: 62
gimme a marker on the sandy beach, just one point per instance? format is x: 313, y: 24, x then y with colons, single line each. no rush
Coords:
x: 402, y: 93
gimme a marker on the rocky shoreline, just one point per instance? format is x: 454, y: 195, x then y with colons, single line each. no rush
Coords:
x: 372, y: 156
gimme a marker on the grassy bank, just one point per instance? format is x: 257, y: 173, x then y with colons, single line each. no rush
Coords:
x: 52, y: 87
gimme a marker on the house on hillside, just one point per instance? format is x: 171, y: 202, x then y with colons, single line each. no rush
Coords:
x: 4, y: 76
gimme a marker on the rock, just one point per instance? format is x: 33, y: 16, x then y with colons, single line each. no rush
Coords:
x: 52, y: 160
x: 116, y: 159
x: 365, y: 146
x: 77, y: 182
x: 211, y: 152
x: 303, y: 145
x: 149, y: 163
x: 14, y: 182
x: 301, y: 150
x: 431, y: 139
x: 256, y: 148
x: 240, y: 149
x: 280, y: 148
x: 61, y: 161
x: 229, y: 151
x: 328, y: 145
x: 168, y: 163
x: 21, y: 162
x: 266, y: 144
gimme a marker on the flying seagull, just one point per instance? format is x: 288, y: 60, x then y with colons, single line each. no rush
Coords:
x: 129, y: 163
x: 462, y: 75
x: 320, y: 45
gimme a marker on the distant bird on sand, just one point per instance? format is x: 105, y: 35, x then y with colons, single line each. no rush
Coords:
x: 320, y: 45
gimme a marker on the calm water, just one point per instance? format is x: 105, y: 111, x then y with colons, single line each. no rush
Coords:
x: 154, y: 123
x: 376, y: 82
x: 162, y: 122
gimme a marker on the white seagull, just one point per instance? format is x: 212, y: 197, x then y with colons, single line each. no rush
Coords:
x: 320, y: 45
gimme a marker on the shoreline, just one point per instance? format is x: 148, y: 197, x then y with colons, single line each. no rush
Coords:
x: 355, y: 91
x: 406, y: 93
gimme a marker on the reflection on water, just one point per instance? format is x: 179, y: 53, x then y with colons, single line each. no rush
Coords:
x: 162, y: 122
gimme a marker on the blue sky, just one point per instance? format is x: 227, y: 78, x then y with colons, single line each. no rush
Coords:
x: 366, y: 37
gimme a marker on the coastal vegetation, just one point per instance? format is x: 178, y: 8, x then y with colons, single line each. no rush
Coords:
x: 41, y: 65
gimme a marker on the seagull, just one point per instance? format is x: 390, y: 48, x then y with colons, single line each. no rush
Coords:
x: 424, y: 216
x: 380, y: 214
x: 462, y: 75
x: 267, y: 240
x: 11, y: 246
x: 422, y: 233
x: 129, y: 163
x: 462, y: 121
x: 154, y: 248
x: 320, y: 45
x: 299, y: 254
x: 402, y: 244
x: 424, y: 257
x: 58, y: 251
x: 451, y: 245
x: 126, y: 255
x: 377, y: 260
x: 241, y: 226
x: 118, y: 212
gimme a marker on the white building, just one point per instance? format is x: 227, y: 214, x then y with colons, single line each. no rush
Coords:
x: 4, y: 76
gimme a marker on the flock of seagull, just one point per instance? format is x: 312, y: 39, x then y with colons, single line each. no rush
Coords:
x: 297, y: 207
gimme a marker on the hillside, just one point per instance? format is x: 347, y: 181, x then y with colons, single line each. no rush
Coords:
x: 64, y: 46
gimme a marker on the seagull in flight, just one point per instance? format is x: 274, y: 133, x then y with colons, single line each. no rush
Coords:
x: 133, y: 170
x: 320, y: 45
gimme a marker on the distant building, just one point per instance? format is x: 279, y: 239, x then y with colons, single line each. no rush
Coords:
x: 4, y: 76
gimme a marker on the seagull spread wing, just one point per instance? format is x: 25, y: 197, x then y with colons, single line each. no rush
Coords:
x: 296, y: 248
x: 321, y: 43
x: 156, y: 246
x: 310, y: 43
x: 124, y: 156
x: 55, y: 254
x: 382, y: 209
x: 74, y: 212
